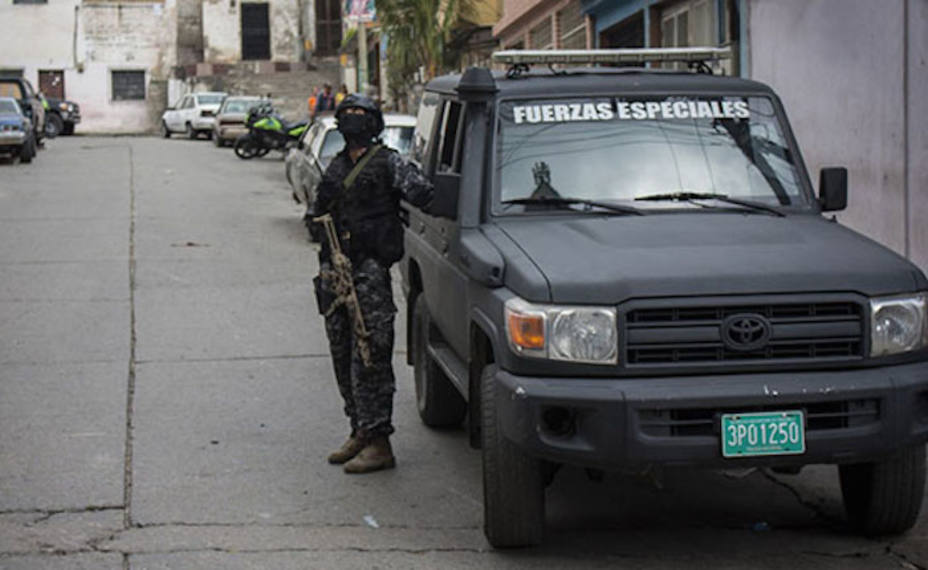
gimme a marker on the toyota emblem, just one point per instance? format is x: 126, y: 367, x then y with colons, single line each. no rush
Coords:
x: 745, y: 332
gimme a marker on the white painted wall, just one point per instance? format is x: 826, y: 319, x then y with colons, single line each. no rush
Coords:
x: 222, y: 39
x: 840, y: 68
x: 110, y: 37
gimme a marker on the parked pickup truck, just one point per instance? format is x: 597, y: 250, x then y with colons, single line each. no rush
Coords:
x: 29, y: 101
x: 629, y: 267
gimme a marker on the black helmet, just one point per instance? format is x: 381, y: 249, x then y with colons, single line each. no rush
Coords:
x: 356, y: 100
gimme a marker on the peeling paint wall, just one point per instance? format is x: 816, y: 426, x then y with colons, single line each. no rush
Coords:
x: 222, y: 36
x: 89, y: 40
x: 189, y: 32
x: 222, y: 40
x: 130, y: 36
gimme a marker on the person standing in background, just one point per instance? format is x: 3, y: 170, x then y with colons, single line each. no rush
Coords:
x: 311, y: 101
x: 342, y: 93
x: 325, y: 100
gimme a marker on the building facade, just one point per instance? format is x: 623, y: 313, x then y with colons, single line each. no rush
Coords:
x: 852, y: 75
x: 124, y: 61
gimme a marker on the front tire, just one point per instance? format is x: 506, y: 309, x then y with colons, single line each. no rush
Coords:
x: 53, y: 125
x: 884, y: 497
x: 27, y: 152
x: 165, y: 131
x: 513, y: 482
x: 438, y: 401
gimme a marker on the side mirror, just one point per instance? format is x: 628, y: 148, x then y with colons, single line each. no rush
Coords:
x: 445, y: 200
x: 832, y: 189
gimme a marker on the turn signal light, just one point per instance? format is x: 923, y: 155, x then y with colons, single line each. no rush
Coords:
x: 527, y: 331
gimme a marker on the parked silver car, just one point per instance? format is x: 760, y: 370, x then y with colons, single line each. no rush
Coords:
x: 194, y: 114
x: 230, y: 120
x: 306, y: 162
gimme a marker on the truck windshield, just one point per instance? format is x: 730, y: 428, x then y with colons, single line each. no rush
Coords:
x: 623, y: 148
x: 9, y: 107
x: 237, y: 105
x: 210, y: 99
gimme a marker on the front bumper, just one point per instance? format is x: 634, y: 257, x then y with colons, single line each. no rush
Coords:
x: 230, y: 132
x: 203, y: 123
x: 12, y: 139
x: 851, y: 415
x: 71, y: 116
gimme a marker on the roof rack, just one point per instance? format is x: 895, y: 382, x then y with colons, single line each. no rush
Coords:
x: 696, y: 57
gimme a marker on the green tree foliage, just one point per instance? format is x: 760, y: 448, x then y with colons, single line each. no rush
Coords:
x: 417, y: 33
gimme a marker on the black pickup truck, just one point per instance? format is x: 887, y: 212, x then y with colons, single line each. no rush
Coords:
x: 21, y: 90
x: 629, y: 267
x: 61, y: 117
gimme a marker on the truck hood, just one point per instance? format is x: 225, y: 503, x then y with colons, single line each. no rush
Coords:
x: 232, y: 117
x: 610, y: 259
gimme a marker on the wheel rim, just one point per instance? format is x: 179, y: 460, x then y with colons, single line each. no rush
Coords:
x: 245, y: 149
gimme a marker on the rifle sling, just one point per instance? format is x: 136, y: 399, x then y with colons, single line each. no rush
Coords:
x: 349, y: 180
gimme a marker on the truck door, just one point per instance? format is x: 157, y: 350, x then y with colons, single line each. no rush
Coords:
x: 446, y: 295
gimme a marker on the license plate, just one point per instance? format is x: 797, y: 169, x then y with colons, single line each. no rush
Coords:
x: 763, y: 433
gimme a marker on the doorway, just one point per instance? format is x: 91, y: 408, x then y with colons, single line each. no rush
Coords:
x: 51, y: 83
x: 256, y: 31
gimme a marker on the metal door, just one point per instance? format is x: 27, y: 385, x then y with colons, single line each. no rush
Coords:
x: 51, y: 83
x: 256, y: 31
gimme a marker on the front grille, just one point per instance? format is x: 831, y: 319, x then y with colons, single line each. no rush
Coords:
x: 231, y: 122
x: 693, y: 335
x: 206, y: 113
x: 695, y: 422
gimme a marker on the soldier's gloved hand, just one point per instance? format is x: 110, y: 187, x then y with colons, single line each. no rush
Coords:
x: 316, y: 231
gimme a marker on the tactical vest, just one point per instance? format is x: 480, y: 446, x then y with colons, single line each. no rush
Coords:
x: 368, y: 212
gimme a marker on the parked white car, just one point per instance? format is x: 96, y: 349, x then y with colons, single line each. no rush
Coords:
x: 306, y: 162
x: 193, y: 115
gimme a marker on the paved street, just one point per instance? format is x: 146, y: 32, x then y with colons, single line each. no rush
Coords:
x: 166, y: 401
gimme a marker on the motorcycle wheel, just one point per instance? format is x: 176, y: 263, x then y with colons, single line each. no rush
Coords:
x: 245, y: 147
x: 263, y: 151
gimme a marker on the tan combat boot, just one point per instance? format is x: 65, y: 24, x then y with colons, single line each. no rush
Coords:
x: 376, y: 456
x: 349, y: 449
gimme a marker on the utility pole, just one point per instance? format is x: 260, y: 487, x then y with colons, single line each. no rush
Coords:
x: 362, y: 57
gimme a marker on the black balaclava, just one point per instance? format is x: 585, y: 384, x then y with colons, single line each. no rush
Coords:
x: 356, y: 128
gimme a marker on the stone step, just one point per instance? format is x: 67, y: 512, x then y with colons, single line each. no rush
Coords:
x: 289, y: 89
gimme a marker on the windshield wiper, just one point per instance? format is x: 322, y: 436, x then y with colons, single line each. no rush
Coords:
x: 688, y: 196
x: 567, y: 202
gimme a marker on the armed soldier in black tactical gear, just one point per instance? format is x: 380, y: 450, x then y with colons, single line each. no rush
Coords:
x: 361, y: 191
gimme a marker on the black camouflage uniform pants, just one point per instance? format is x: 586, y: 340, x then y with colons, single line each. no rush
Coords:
x: 367, y: 391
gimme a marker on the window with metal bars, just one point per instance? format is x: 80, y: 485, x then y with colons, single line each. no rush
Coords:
x: 571, y: 27
x: 328, y: 27
x: 128, y: 85
x: 541, y: 35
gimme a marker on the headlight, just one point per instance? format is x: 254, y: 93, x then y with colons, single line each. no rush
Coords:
x: 570, y: 333
x: 898, y: 324
x: 64, y: 106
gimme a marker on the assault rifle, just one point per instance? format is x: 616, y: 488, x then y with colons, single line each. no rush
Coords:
x: 341, y: 281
